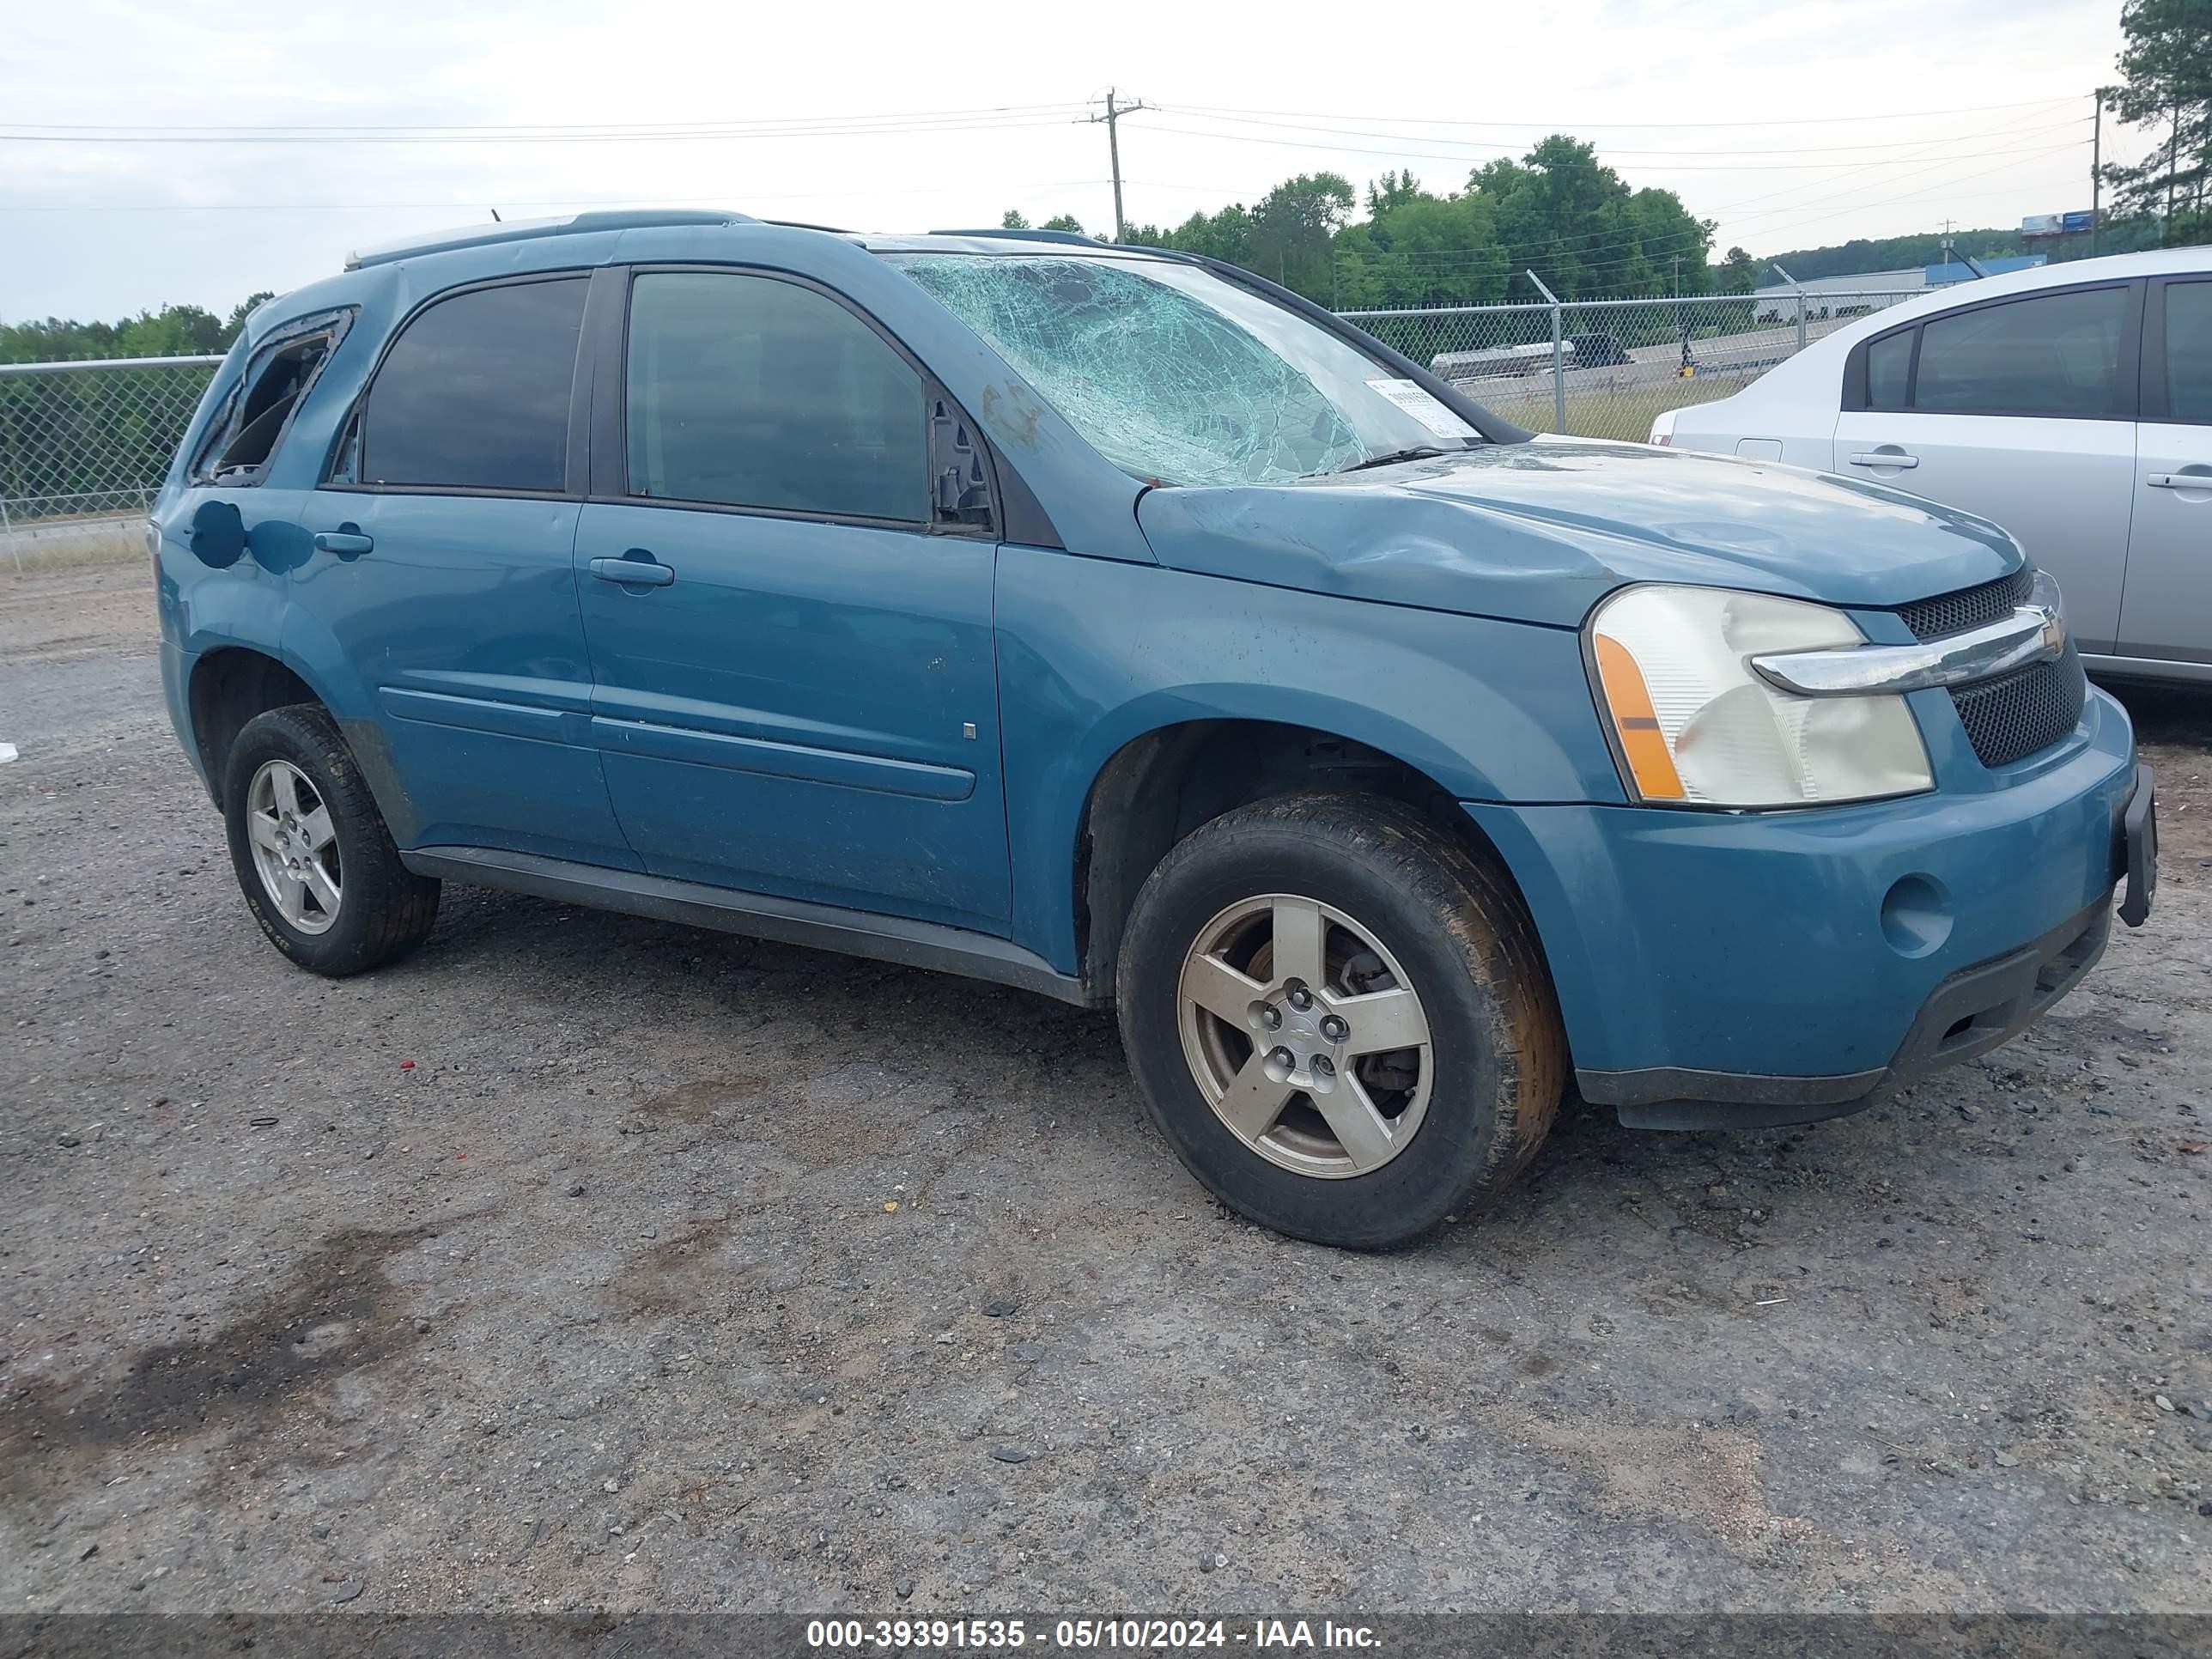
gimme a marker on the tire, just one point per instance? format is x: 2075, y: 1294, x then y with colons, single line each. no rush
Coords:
x: 1390, y: 890
x: 294, y: 757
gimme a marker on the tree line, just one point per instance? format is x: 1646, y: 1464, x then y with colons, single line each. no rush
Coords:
x: 2118, y: 234
x: 1557, y: 210
x: 172, y: 331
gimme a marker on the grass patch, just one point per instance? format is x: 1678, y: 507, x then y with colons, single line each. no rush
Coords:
x: 1602, y: 411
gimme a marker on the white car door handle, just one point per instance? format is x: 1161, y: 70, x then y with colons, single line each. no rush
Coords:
x: 2179, y: 480
x: 1877, y: 457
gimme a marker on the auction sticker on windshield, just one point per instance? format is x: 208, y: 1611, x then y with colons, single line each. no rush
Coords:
x: 1423, y: 406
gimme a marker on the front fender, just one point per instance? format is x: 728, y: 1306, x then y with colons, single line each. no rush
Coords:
x: 1094, y: 654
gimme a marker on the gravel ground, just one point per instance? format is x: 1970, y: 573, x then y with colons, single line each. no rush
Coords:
x: 588, y: 1261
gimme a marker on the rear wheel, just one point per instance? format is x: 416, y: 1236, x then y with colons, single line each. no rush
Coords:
x: 317, y: 865
x: 1340, y: 1018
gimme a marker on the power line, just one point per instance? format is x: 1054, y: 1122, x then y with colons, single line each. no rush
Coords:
x: 550, y: 137
x: 1523, y: 145
x: 1638, y: 126
x: 1349, y: 149
x: 118, y: 131
x: 719, y: 198
x: 434, y: 128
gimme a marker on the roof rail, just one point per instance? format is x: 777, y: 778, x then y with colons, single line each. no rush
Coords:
x: 526, y: 230
x: 1076, y: 237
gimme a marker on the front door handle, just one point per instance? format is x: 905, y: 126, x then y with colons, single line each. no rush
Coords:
x: 644, y: 572
x: 2179, y: 480
x: 1896, y: 458
x: 347, y: 543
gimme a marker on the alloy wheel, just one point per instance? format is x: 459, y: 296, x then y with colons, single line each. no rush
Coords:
x: 296, y: 846
x: 1305, y: 1036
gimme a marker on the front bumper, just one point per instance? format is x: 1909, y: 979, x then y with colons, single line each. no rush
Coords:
x: 1719, y: 969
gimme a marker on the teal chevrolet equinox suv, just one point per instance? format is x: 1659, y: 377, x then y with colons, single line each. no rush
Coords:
x: 1115, y: 624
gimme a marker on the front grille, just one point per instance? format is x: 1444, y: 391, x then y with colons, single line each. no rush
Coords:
x: 1968, y: 608
x: 2006, y: 719
x: 2013, y: 718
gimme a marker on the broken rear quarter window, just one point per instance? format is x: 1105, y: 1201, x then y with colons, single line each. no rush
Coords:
x: 240, y: 447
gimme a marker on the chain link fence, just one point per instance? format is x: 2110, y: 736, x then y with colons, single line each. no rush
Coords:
x: 83, y: 447
x: 1604, y: 368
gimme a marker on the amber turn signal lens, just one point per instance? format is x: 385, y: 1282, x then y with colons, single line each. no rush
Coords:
x: 1628, y: 701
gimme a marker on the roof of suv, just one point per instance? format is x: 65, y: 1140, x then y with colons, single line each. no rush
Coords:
x: 577, y: 224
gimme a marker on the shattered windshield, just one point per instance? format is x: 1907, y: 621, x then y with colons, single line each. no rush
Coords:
x: 1175, y: 376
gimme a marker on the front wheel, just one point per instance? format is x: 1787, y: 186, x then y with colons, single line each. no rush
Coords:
x: 1341, y: 1018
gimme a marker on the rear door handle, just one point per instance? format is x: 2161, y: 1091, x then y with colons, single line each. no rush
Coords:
x: 1878, y: 458
x: 2179, y: 480
x: 643, y: 573
x: 349, y: 542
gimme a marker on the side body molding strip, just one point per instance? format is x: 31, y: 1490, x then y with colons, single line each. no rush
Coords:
x: 758, y: 916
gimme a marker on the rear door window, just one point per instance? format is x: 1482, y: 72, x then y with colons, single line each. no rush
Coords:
x: 750, y: 391
x: 2189, y: 351
x: 1889, y: 371
x: 2055, y: 355
x: 474, y: 393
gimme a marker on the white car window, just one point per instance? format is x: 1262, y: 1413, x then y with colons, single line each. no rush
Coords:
x: 1889, y: 371
x: 2189, y: 351
x: 2055, y: 355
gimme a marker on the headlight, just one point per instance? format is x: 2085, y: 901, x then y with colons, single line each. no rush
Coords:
x: 1697, y: 727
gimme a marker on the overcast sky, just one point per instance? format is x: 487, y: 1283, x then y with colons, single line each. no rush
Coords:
x: 1984, y: 108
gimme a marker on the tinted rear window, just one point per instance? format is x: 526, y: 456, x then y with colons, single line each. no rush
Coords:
x: 1889, y: 371
x: 2188, y: 350
x: 474, y: 393
x: 2056, y: 355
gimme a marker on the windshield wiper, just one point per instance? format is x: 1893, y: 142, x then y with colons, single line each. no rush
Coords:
x: 1420, y: 453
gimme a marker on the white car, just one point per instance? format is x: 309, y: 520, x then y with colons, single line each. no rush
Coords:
x: 2072, y: 404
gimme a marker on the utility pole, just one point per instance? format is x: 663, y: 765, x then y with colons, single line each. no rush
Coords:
x: 2172, y: 162
x: 1112, y: 118
x: 2096, y: 169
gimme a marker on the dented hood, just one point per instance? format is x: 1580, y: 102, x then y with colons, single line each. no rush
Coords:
x: 1540, y: 531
